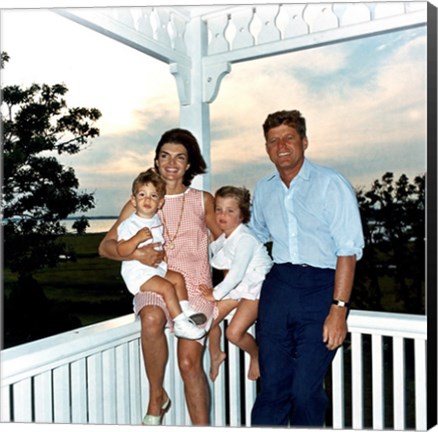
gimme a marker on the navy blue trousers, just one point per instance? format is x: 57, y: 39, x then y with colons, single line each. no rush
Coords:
x: 294, y: 303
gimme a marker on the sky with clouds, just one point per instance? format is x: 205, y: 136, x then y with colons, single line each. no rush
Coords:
x: 364, y: 102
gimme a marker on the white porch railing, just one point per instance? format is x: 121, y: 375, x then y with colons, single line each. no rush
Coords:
x: 95, y: 375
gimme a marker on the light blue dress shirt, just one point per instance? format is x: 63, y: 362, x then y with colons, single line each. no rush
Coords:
x: 313, y: 221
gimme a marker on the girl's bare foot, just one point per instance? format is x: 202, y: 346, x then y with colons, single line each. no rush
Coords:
x: 216, y: 361
x: 254, y: 370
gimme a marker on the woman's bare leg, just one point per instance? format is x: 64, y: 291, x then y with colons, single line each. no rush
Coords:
x: 155, y: 353
x: 244, y: 317
x: 195, y: 382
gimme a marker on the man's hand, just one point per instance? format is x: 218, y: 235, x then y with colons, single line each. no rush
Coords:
x: 148, y: 255
x: 335, y: 327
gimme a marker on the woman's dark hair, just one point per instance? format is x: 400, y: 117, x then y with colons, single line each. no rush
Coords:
x: 241, y: 195
x: 185, y: 138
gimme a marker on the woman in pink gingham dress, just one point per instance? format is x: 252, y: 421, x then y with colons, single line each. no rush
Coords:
x: 189, y: 221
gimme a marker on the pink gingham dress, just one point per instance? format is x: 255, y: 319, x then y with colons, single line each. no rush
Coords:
x: 190, y: 255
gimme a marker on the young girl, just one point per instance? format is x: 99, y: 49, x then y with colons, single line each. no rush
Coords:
x: 245, y: 262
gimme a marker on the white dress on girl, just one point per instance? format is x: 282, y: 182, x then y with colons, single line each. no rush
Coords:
x: 247, y: 261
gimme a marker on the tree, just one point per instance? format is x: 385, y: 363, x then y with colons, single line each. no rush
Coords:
x: 81, y: 225
x: 38, y: 191
x: 393, y: 215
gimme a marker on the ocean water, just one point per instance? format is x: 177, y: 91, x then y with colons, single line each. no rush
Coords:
x: 96, y: 225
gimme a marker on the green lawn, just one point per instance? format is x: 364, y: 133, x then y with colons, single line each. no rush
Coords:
x: 90, y: 287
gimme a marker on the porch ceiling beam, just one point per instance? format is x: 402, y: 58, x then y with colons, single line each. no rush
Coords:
x: 103, y: 23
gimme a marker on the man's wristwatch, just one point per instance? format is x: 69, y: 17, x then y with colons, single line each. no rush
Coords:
x: 341, y: 303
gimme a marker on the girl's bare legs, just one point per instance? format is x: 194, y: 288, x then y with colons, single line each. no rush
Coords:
x: 155, y: 353
x: 217, y: 356
x: 195, y: 382
x: 236, y: 333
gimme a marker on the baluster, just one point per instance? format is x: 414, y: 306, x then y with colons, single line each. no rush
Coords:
x: 135, y: 373
x: 269, y: 31
x: 162, y: 26
x: 43, y: 398
x: 5, y: 397
x: 217, y: 27
x: 95, y: 394
x: 241, y: 20
x: 350, y: 14
x: 320, y: 17
x: 250, y: 386
x: 78, y: 396
x: 109, y: 386
x: 398, y: 372
x: 357, y: 380
x: 22, y: 401
x: 295, y: 26
x: 378, y: 382
x: 234, y: 385
x: 144, y: 22
x: 338, y: 389
x: 61, y: 394
x: 178, y: 26
x: 217, y: 387
x: 122, y: 402
x: 420, y: 385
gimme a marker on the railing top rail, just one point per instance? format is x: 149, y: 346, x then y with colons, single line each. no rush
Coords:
x: 45, y: 354
x: 388, y: 324
x: 36, y: 357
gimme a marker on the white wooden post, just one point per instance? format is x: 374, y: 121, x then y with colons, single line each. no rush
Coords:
x: 195, y: 113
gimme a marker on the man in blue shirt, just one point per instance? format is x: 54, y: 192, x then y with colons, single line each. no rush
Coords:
x: 310, y: 214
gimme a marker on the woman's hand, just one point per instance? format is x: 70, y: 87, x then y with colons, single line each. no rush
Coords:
x: 206, y: 292
x: 148, y: 255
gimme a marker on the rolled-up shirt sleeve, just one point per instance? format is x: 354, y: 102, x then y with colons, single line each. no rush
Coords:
x: 344, y: 218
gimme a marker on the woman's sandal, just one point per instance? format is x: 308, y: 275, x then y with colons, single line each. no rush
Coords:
x: 151, y: 420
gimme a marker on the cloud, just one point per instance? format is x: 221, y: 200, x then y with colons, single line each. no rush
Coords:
x: 358, y: 126
x: 364, y: 102
x: 98, y: 71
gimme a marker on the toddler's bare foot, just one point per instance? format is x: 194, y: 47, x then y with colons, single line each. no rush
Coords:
x: 216, y: 361
x: 254, y: 370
